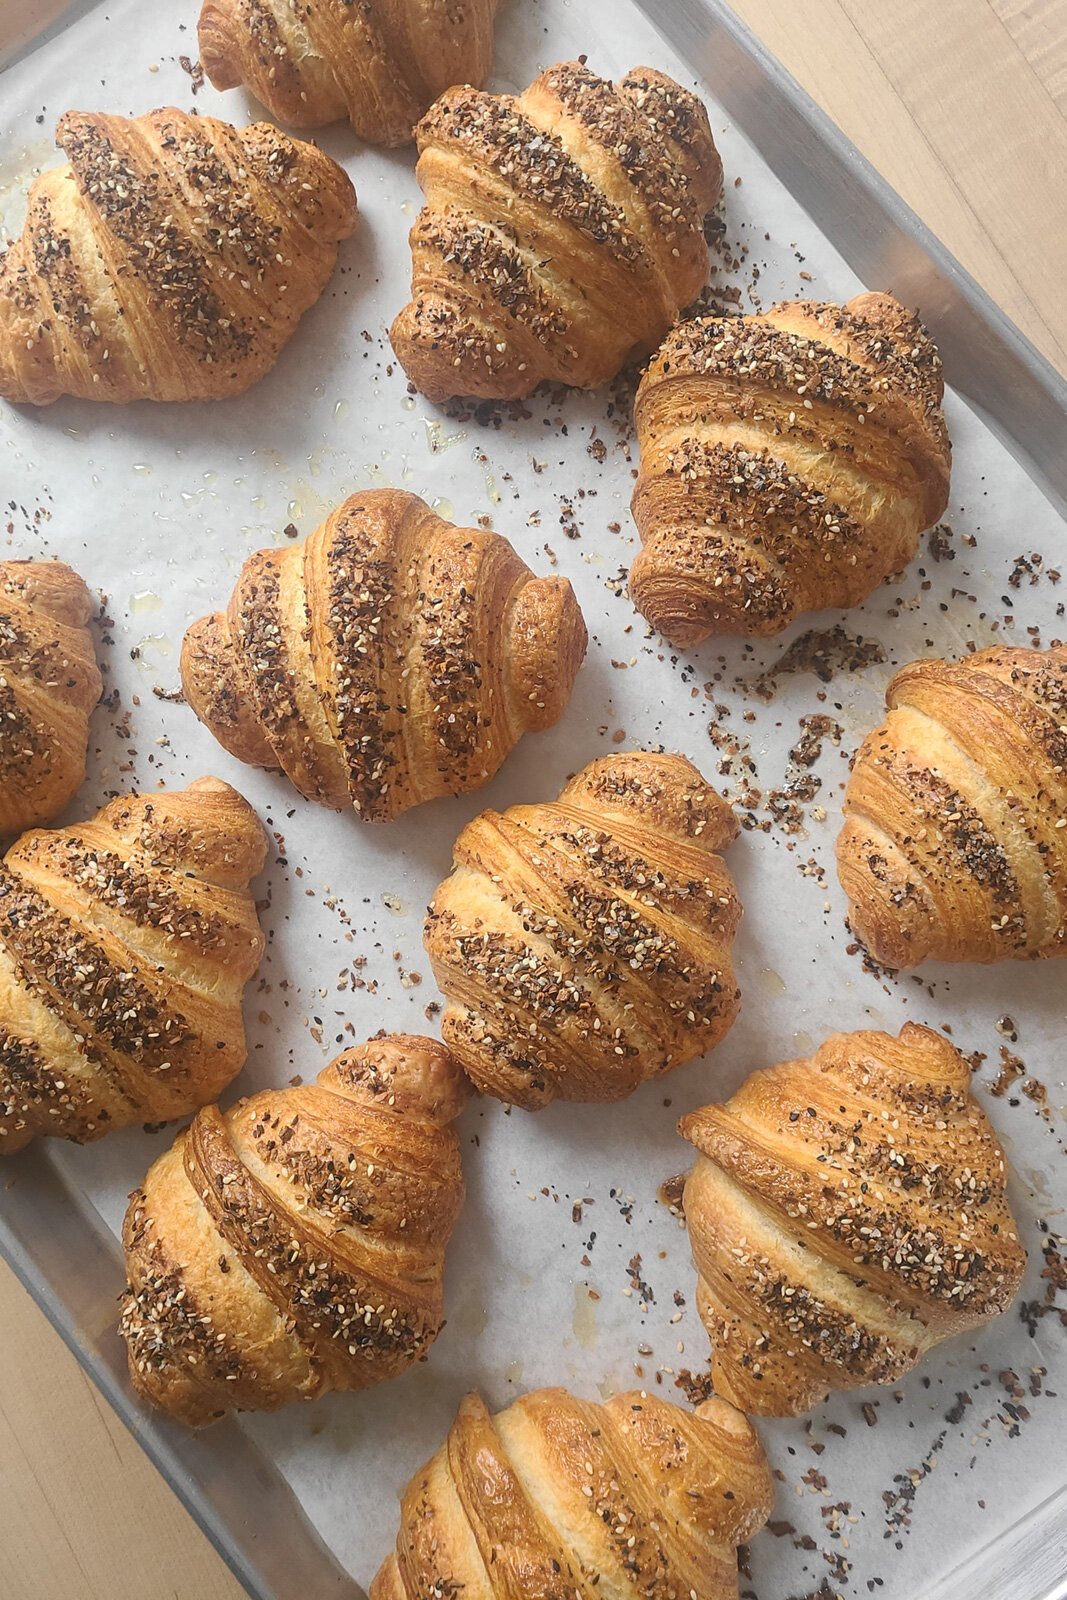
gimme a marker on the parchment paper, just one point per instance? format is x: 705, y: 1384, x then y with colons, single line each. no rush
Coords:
x: 158, y: 506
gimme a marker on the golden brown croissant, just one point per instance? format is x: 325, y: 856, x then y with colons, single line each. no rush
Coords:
x: 380, y: 63
x: 562, y: 1499
x: 585, y: 945
x: 789, y: 462
x: 563, y: 231
x: 954, y: 845
x: 170, y: 258
x: 125, y: 944
x: 295, y: 1244
x: 49, y: 684
x: 390, y: 659
x: 846, y: 1214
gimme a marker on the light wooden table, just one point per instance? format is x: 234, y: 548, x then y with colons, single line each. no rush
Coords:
x: 962, y: 106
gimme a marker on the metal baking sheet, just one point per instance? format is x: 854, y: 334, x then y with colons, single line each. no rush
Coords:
x: 894, y: 1492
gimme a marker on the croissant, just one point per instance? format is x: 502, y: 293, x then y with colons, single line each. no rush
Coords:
x: 390, y: 659
x: 295, y: 1244
x: 585, y: 945
x: 381, y: 63
x: 789, y: 462
x: 49, y: 684
x: 846, y: 1214
x: 563, y: 231
x: 557, y: 1498
x: 954, y: 845
x: 170, y: 258
x: 125, y: 944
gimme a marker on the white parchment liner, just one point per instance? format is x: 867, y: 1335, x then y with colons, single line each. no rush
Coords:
x: 158, y: 506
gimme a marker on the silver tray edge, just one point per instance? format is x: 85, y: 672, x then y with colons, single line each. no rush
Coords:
x: 71, y: 1265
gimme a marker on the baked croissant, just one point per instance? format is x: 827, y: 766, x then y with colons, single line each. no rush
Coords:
x: 557, y: 1498
x: 381, y: 63
x: 846, y: 1214
x: 295, y: 1244
x: 125, y: 944
x: 789, y: 462
x: 390, y: 659
x: 171, y: 258
x: 954, y: 845
x: 563, y: 231
x: 585, y: 945
x: 49, y: 684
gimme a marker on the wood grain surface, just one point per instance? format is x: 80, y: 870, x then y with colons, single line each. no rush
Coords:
x: 963, y: 106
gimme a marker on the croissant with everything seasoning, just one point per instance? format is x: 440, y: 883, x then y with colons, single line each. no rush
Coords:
x: 585, y: 944
x: 381, y: 63
x: 563, y: 231
x: 391, y: 659
x: 49, y: 684
x: 295, y: 1244
x: 125, y: 946
x: 557, y: 1498
x: 846, y: 1213
x: 954, y: 843
x: 170, y: 258
x: 789, y: 463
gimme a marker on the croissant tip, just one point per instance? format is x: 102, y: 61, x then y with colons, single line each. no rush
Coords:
x: 210, y: 785
x: 412, y: 1071
x: 727, y: 1417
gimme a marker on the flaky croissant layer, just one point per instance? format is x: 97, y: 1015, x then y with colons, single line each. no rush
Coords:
x: 954, y: 844
x: 380, y: 63
x: 585, y: 945
x: 846, y: 1213
x: 557, y: 1498
x: 49, y: 684
x: 563, y: 231
x: 170, y: 258
x: 295, y: 1244
x: 125, y: 946
x: 391, y: 659
x: 789, y: 462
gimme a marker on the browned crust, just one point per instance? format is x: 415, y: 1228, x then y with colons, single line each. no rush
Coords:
x: 380, y: 63
x: 846, y: 1213
x: 295, y: 1244
x: 789, y: 462
x: 560, y: 1497
x: 391, y: 659
x: 125, y: 945
x: 953, y: 846
x: 49, y: 684
x: 563, y: 231
x: 170, y: 259
x: 585, y: 945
